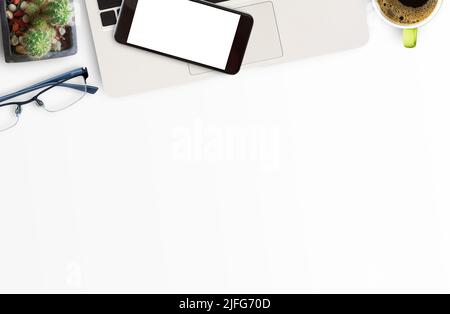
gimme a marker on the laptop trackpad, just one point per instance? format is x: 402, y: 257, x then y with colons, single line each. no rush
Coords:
x: 265, y: 43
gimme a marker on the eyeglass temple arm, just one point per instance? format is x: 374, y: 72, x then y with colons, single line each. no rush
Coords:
x: 65, y: 76
x: 19, y: 93
x: 89, y: 89
x: 62, y: 77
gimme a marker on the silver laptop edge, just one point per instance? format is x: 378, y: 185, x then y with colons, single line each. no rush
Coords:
x: 284, y: 30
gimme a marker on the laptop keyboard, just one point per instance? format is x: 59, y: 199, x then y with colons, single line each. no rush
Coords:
x: 109, y: 11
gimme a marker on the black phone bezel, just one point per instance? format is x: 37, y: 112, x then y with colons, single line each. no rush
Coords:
x: 237, y: 51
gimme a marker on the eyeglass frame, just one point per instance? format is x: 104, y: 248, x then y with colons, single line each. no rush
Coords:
x: 58, y: 80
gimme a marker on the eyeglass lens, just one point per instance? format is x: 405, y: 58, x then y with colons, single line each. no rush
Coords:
x: 51, y: 98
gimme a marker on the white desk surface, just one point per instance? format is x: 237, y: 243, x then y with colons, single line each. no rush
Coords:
x: 325, y: 175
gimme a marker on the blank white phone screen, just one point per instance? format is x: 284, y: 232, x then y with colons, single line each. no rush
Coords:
x: 185, y: 29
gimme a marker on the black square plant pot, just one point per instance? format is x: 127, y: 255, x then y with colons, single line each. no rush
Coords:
x: 12, y: 57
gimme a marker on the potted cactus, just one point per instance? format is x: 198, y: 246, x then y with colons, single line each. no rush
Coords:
x: 37, y: 29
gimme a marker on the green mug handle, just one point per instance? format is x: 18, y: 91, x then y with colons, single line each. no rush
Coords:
x: 410, y: 37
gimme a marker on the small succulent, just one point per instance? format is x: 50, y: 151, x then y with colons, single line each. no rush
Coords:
x: 57, y: 12
x: 37, y: 42
x: 39, y: 22
x: 32, y: 8
x: 38, y: 26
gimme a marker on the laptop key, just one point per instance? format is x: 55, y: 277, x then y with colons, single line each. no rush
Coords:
x: 108, y: 18
x: 108, y: 4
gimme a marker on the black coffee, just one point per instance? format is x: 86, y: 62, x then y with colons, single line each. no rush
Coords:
x: 414, y: 3
x: 407, y: 12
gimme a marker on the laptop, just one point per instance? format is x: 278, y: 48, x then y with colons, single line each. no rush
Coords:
x: 284, y: 30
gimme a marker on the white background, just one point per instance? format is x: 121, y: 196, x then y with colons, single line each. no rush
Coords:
x: 341, y: 184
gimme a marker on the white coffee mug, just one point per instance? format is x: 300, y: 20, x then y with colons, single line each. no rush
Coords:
x: 410, y: 31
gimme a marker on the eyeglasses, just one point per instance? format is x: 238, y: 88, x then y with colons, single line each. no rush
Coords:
x: 55, y: 94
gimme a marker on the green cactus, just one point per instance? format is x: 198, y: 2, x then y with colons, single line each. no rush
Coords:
x: 37, y: 42
x: 58, y: 12
x: 40, y: 2
x: 34, y: 7
x: 41, y: 23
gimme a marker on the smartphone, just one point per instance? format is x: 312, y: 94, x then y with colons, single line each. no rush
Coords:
x: 194, y: 31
